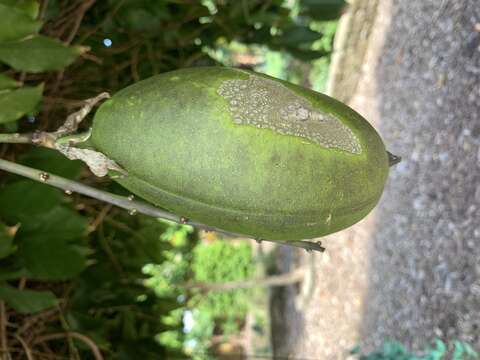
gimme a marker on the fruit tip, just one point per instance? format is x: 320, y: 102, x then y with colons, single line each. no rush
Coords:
x: 393, y: 159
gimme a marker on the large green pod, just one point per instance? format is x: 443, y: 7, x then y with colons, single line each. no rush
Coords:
x: 244, y: 152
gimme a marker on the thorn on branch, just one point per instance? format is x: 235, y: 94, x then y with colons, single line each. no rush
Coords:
x: 44, y: 176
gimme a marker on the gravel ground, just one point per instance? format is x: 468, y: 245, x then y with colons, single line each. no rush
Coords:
x: 410, y: 270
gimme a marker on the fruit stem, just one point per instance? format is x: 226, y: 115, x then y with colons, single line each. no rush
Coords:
x: 132, y: 206
x: 47, y: 139
x: 16, y: 138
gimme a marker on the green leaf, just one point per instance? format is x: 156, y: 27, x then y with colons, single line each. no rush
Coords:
x: 29, y: 7
x: 49, y: 236
x: 269, y: 18
x: 6, y: 242
x: 8, y: 83
x: 51, y: 161
x: 51, y: 259
x: 306, y: 55
x: 37, y: 54
x: 21, y: 200
x: 56, y: 223
x: 49, y: 244
x: 16, y: 24
x: 27, y: 301
x: 91, y: 325
x: 297, y: 35
x: 322, y: 10
x: 12, y: 273
x: 17, y: 103
x: 52, y: 10
x: 10, y: 127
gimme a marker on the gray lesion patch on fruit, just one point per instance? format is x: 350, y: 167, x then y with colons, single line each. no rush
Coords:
x: 268, y: 104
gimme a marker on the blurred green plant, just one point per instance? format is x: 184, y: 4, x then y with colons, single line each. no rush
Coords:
x: 182, y: 275
x: 392, y: 350
x: 209, y: 265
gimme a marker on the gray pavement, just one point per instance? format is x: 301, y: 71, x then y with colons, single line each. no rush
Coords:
x: 411, y: 270
x: 425, y: 258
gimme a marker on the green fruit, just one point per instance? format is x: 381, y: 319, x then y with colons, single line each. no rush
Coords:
x: 244, y: 152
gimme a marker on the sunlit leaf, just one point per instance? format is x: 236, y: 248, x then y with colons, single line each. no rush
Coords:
x: 38, y: 53
x: 29, y: 7
x: 16, y: 103
x: 7, y: 82
x: 27, y: 301
x: 16, y: 24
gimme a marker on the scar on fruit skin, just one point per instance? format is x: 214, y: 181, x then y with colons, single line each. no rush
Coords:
x: 265, y: 103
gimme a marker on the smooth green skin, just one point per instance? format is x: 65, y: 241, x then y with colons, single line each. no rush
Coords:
x: 175, y: 136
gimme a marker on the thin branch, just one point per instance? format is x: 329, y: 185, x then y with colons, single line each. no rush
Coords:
x: 99, y: 219
x: 35, y: 319
x: 16, y: 138
x: 71, y: 334
x: 133, y: 206
x: 134, y: 64
x: 48, y: 139
x: 82, y: 10
x: 277, y: 280
x: 110, y: 15
x: 22, y: 283
x: 70, y: 186
x: 73, y: 120
x: 28, y: 352
x: 64, y: 101
x: 307, y: 245
x: 104, y: 242
x: 43, y: 9
x: 3, y: 332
